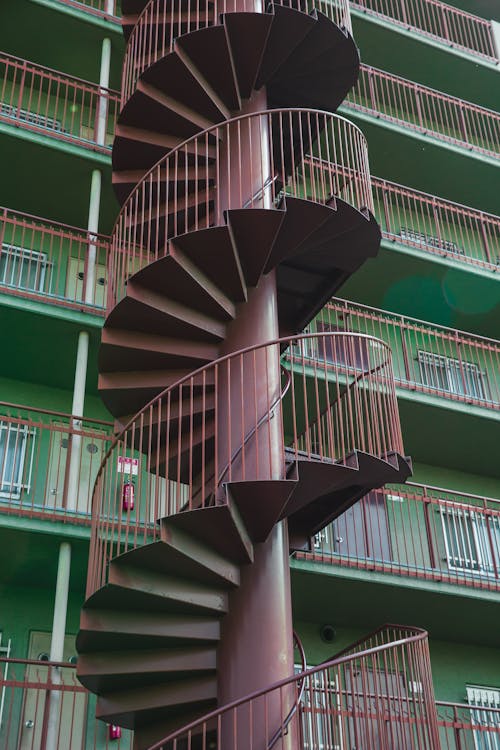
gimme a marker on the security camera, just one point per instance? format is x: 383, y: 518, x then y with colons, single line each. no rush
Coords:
x: 327, y: 633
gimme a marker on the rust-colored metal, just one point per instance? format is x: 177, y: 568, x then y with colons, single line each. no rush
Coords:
x: 438, y: 20
x: 230, y: 237
x: 428, y: 358
x: 377, y: 693
x: 430, y: 533
x: 426, y: 110
x: 56, y: 105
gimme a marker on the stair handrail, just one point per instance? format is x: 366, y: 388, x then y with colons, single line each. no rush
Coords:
x: 282, y: 731
x: 239, y: 352
x: 144, y: 50
x: 374, y: 408
x: 419, y: 636
x: 345, y: 148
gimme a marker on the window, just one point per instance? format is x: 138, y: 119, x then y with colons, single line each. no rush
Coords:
x: 468, y: 540
x: 24, y: 269
x: 32, y: 117
x: 16, y: 458
x: 485, y: 716
x: 452, y: 375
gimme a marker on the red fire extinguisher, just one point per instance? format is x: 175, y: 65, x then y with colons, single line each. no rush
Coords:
x: 128, y: 495
x: 115, y: 732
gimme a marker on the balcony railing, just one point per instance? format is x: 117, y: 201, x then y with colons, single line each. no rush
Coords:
x: 469, y: 727
x: 437, y: 226
x: 52, y: 262
x: 105, y: 8
x: 437, y: 20
x: 447, y: 118
x: 420, y: 532
x: 48, y: 462
x: 51, y: 103
x: 146, y: 45
x: 428, y: 358
x: 42, y: 705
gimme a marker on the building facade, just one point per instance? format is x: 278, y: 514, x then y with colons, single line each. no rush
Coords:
x: 424, y: 554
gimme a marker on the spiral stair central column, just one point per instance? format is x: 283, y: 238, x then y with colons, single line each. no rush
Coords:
x: 256, y: 644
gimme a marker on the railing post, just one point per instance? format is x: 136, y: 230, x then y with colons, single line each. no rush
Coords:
x: 484, y: 238
x: 387, y: 216
x: 490, y: 540
x: 428, y: 530
x: 463, y: 127
x: 21, y: 89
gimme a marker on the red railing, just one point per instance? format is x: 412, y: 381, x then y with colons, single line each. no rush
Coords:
x: 465, y: 726
x: 193, y: 186
x: 147, y: 44
x: 107, y: 8
x: 410, y: 217
x: 417, y: 531
x: 49, y: 462
x: 396, y: 99
x: 42, y: 705
x: 333, y: 395
x: 52, y: 262
x: 52, y: 103
x: 428, y: 358
x: 437, y: 20
x: 377, y: 694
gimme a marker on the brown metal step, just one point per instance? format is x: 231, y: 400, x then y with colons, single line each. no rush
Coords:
x: 141, y: 706
x: 108, y: 630
x: 208, y: 51
x: 253, y: 232
x: 220, y: 527
x: 248, y: 36
x: 260, y: 503
x: 288, y: 29
x: 179, y: 552
x: 115, y: 670
x: 146, y: 591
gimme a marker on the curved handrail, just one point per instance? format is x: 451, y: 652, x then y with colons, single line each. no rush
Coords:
x: 321, y: 418
x: 311, y: 154
x: 282, y: 731
x: 146, y: 46
x: 335, y: 679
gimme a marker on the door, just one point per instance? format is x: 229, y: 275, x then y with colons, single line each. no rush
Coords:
x: 87, y: 454
x: 64, y: 711
x: 363, y: 530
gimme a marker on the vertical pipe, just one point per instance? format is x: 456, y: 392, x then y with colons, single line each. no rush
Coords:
x: 75, y: 441
x: 57, y: 643
x: 93, y: 226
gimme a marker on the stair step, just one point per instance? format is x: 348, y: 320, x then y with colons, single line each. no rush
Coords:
x: 248, y: 35
x: 317, y: 478
x: 214, y: 254
x: 163, y: 307
x: 106, y: 630
x: 180, y: 552
x: 208, y: 51
x: 201, y: 80
x: 140, y: 706
x: 192, y: 406
x: 321, y: 39
x: 178, y: 78
x: 288, y: 29
x: 131, y: 586
x: 301, y: 219
x: 254, y: 232
x: 220, y: 527
x: 135, y: 350
x: 122, y: 670
x: 260, y: 503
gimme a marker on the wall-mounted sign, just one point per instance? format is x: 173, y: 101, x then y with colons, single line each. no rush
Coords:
x: 128, y: 465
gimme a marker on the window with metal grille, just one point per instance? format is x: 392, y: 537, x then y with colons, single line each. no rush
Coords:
x: 472, y: 540
x: 24, y: 269
x: 17, y: 443
x: 485, y: 716
x: 320, y: 718
x: 452, y: 375
x: 428, y: 240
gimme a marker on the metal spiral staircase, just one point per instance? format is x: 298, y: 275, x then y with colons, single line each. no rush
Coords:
x: 243, y: 210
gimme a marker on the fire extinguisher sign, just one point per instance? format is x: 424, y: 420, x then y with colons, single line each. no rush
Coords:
x: 128, y: 465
